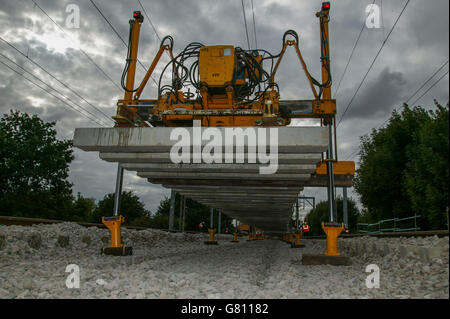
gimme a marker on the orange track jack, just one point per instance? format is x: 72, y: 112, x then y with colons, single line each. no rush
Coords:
x: 211, y: 240
x: 116, y: 248
x: 332, y: 230
x: 297, y: 244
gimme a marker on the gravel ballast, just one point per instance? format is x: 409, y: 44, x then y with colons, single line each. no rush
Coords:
x: 33, y: 263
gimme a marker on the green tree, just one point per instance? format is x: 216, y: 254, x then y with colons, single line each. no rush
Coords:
x: 34, y: 166
x: 83, y: 208
x: 427, y: 176
x: 383, y: 159
x: 320, y: 214
x: 130, y: 207
x: 404, y: 167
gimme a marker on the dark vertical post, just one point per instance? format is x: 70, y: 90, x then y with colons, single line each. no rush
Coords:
x: 172, y: 209
x: 119, y: 180
x: 211, y: 219
x: 345, y: 207
x: 219, y: 222
x: 180, y: 216
x: 330, y: 157
x: 184, y: 214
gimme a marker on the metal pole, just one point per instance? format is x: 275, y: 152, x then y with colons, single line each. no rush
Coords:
x: 184, y: 213
x: 119, y: 180
x: 180, y: 215
x: 211, y: 219
x: 219, y: 222
x: 172, y: 209
x: 344, y: 191
x: 296, y: 214
x: 330, y: 155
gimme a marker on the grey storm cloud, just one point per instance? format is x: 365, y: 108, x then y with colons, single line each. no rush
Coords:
x: 416, y: 48
x: 377, y: 97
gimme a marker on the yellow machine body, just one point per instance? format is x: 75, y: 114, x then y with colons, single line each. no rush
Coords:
x: 244, y: 228
x: 216, y: 65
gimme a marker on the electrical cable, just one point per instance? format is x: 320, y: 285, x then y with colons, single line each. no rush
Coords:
x: 430, y: 88
x: 82, y: 51
x: 51, y: 87
x: 351, y: 55
x: 52, y: 76
x: 371, y: 65
x: 91, y: 119
x: 245, y: 22
x: 428, y: 80
x: 254, y: 26
x: 120, y: 37
x: 149, y: 20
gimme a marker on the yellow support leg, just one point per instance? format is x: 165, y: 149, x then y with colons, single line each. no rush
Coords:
x: 211, y: 240
x: 332, y: 233
x: 235, y: 238
x: 289, y: 238
x: 113, y: 224
x: 116, y: 247
x: 297, y: 243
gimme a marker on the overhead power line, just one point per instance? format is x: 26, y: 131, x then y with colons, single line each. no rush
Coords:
x: 52, y: 76
x: 350, y: 57
x: 254, y: 26
x: 109, y: 23
x: 55, y: 96
x: 371, y: 65
x: 419, y: 89
x: 245, y: 23
x: 430, y: 87
x: 149, y: 20
x: 354, y: 153
x: 48, y: 85
x: 82, y: 51
x: 120, y: 37
x: 428, y: 80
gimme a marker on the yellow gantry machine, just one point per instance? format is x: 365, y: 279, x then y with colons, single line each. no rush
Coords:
x: 224, y: 85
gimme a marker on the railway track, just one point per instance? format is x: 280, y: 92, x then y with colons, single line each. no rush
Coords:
x: 24, y: 221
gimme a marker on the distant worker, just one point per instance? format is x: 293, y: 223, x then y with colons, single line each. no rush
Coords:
x: 202, y: 227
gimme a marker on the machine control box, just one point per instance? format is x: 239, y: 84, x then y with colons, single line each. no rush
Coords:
x: 216, y: 65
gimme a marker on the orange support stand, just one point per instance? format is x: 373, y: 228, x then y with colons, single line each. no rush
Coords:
x: 116, y: 247
x: 113, y: 224
x: 297, y: 244
x: 289, y: 238
x: 332, y: 231
x: 235, y: 238
x: 211, y: 240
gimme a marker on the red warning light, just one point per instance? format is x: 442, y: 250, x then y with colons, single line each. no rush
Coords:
x: 325, y: 5
x: 136, y: 14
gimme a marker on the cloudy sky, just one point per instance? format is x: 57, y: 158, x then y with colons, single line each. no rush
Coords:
x: 416, y: 48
